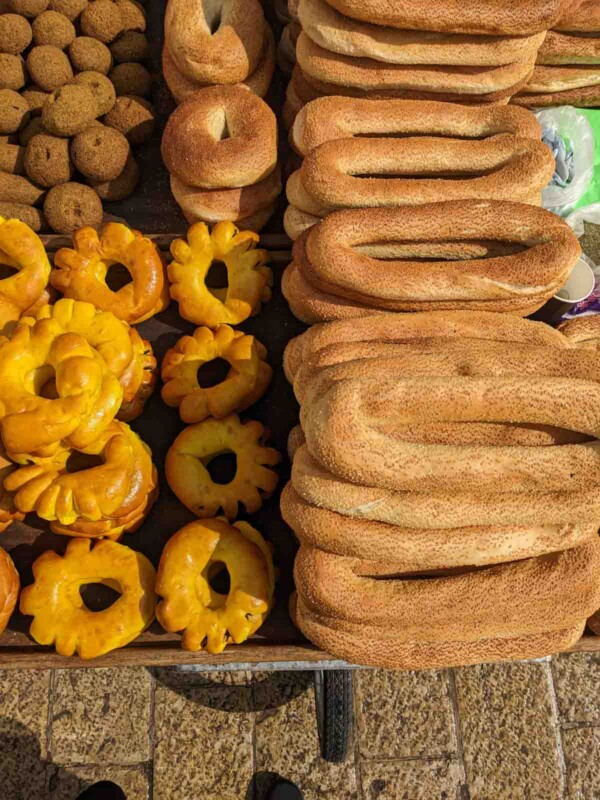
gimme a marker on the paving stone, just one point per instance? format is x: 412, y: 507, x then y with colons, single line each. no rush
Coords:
x: 577, y: 677
x: 66, y: 783
x: 203, y: 742
x: 287, y: 743
x: 439, y: 779
x: 184, y: 676
x: 509, y: 732
x: 404, y: 714
x: 582, y: 756
x: 24, y: 696
x: 101, y: 716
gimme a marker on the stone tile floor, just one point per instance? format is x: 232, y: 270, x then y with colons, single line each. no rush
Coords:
x: 523, y: 731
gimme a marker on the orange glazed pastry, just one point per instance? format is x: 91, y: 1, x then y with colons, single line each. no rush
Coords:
x: 9, y: 588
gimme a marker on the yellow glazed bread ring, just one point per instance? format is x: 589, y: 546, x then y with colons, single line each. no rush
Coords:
x: 87, y: 394
x: 248, y: 277
x: 60, y: 616
x: 8, y: 511
x: 115, y: 487
x: 139, y: 379
x: 81, y: 273
x: 209, y: 620
x: 9, y: 588
x: 246, y: 382
x: 21, y: 249
x: 194, y: 448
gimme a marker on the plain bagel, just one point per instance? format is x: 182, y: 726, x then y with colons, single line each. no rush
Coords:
x: 221, y: 137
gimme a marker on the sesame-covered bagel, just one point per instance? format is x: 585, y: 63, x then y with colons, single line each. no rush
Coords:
x: 580, y: 15
x: 22, y: 250
x: 562, y: 78
x: 328, y: 119
x: 226, y: 54
x: 222, y: 137
x: 362, y: 172
x: 585, y: 97
x: 566, y: 48
x: 340, y: 34
x: 471, y: 16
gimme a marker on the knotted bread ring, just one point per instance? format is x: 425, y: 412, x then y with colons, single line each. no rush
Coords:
x: 246, y: 382
x: 21, y: 249
x: 139, y: 379
x: 116, y: 488
x: 85, y: 399
x: 208, y: 618
x: 195, y: 447
x: 81, y: 273
x: 248, y: 277
x: 60, y: 616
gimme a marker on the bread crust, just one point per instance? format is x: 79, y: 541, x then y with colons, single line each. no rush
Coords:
x: 586, y: 97
x: 582, y: 16
x: 564, y: 48
x: 562, y: 78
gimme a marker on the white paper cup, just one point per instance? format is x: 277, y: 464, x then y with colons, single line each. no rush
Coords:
x: 578, y: 287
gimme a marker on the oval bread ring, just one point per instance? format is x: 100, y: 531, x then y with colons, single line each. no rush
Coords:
x: 582, y: 331
x: 214, y: 205
x: 563, y: 48
x: 255, y: 222
x: 193, y: 147
x: 367, y: 74
x: 587, y: 97
x: 340, y: 34
x: 580, y: 15
x: 562, y: 78
x: 486, y: 16
x: 334, y: 264
x: 415, y: 549
x: 331, y: 118
x: 412, y: 170
x: 223, y: 56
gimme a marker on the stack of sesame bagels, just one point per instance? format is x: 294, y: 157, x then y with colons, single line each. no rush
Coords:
x: 472, y: 52
x: 567, y: 70
x: 220, y: 147
x: 444, y: 487
x: 217, y: 42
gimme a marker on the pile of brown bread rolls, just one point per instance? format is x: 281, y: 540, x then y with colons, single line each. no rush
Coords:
x: 221, y: 42
x: 470, y: 53
x: 568, y: 64
x: 73, y: 100
x: 220, y: 147
x: 444, y: 487
x: 359, y: 153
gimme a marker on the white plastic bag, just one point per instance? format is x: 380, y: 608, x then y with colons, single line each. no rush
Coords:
x: 573, y: 128
x: 585, y: 214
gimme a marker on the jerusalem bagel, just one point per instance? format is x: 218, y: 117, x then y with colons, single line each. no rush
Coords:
x: 586, y: 97
x: 565, y: 48
x: 562, y: 78
x: 581, y: 16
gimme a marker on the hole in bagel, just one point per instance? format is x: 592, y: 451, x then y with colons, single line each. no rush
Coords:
x: 217, y: 280
x: 221, y: 467
x: 450, y: 250
x: 42, y: 382
x: 117, y: 277
x: 219, y: 578
x: 212, y: 373
x: 212, y: 14
x: 6, y: 271
x: 78, y: 462
x: 98, y: 596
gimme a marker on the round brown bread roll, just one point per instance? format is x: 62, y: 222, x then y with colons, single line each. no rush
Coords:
x: 71, y: 206
x: 131, y: 78
x: 132, y: 15
x: 70, y: 8
x: 13, y: 74
x: 28, y: 214
x: 47, y: 161
x: 16, y: 189
x: 132, y: 116
x: 54, y: 29
x: 90, y: 55
x: 27, y: 8
x: 101, y: 87
x: 14, y: 111
x: 11, y: 158
x: 100, y: 153
x: 120, y: 187
x: 222, y: 137
x: 49, y: 67
x: 69, y: 110
x: 35, y: 98
x: 33, y: 128
x: 130, y: 46
x: 15, y: 34
x: 102, y: 20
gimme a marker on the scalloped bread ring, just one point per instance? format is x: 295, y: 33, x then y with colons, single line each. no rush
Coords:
x: 22, y: 250
x: 221, y: 137
x: 9, y: 588
x: 580, y: 15
x: 565, y: 48
x: 208, y: 619
x: 119, y: 485
x: 182, y: 88
x: 366, y: 74
x: 247, y: 380
x: 81, y: 273
x: 248, y: 278
x: 418, y: 170
x: 220, y: 205
x: 339, y: 34
x: 60, y: 616
x: 88, y: 396
x: 485, y: 16
x: 328, y: 119
x: 194, y: 448
x: 217, y: 42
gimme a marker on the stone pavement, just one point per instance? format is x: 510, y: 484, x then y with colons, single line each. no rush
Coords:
x: 523, y: 731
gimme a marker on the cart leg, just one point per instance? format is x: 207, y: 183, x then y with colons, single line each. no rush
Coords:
x: 333, y: 694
